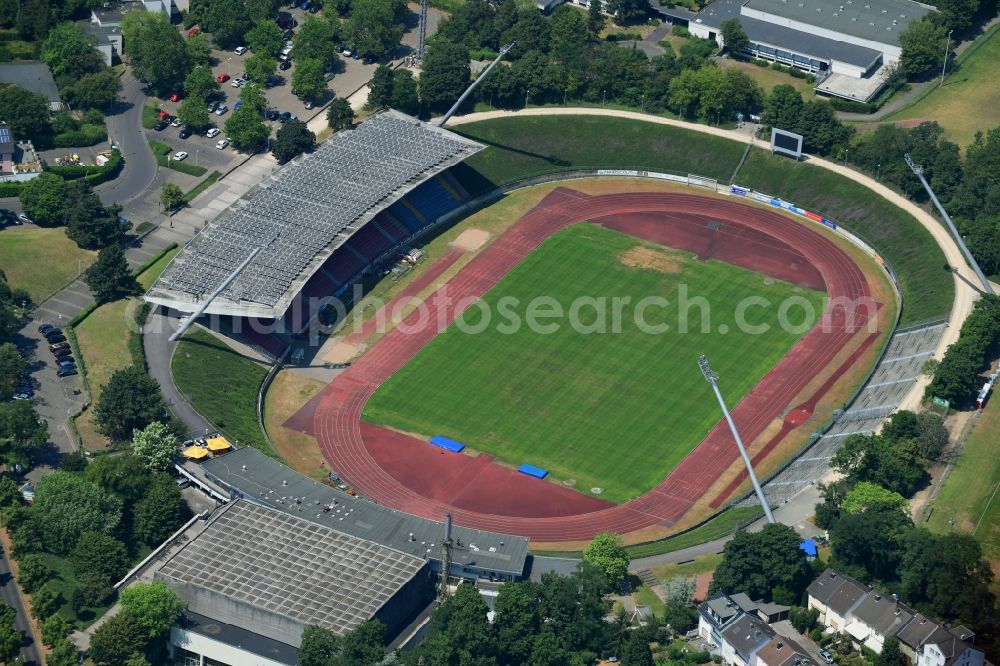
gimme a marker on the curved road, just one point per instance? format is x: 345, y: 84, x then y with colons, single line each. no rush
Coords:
x: 125, y: 127
x: 9, y: 595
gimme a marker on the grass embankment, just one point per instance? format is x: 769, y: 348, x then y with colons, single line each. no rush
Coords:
x: 769, y: 78
x: 528, y: 146
x: 41, y: 261
x: 161, y: 151
x: 967, y: 102
x: 969, y: 496
x: 571, y: 401
x: 104, y: 341
x: 221, y: 384
x: 928, y: 290
x: 288, y: 392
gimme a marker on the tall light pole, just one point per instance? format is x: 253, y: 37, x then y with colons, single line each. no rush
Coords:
x: 604, y: 97
x: 919, y: 171
x: 713, y: 379
x: 944, y: 65
x: 879, y: 176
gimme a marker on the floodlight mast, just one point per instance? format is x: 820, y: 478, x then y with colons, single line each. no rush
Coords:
x: 479, y: 79
x: 713, y: 379
x: 919, y: 171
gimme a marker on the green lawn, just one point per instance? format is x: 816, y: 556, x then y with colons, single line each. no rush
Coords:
x: 40, y: 260
x: 64, y: 583
x: 768, y: 78
x: 572, y: 402
x: 969, y: 495
x: 928, y: 290
x: 968, y: 101
x: 12, y: 47
x: 522, y: 147
x: 220, y: 384
x: 646, y: 597
x: 161, y: 151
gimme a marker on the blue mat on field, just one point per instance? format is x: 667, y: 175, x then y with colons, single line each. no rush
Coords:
x: 446, y: 444
x: 531, y: 470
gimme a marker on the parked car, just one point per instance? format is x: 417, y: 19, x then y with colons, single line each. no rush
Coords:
x: 176, y: 96
x: 193, y: 31
x: 285, y: 117
x: 239, y: 103
x: 346, y: 53
x: 184, y: 133
x: 66, y: 362
x: 222, y: 78
x: 309, y: 104
x: 240, y: 50
x: 24, y: 219
x: 58, y: 337
x: 272, y: 81
x: 176, y: 122
x: 66, y: 372
x: 57, y: 347
x: 314, y: 9
x: 271, y: 114
x: 328, y: 75
x: 52, y: 332
x: 161, y: 125
x: 213, y: 132
x: 237, y: 82
x: 284, y: 65
x: 305, y: 5
x: 826, y: 656
x: 211, y: 106
x: 45, y: 328
x: 180, y: 156
x: 221, y: 145
x: 221, y: 109
x: 163, y: 115
x: 24, y: 396
x: 288, y: 34
x: 60, y: 353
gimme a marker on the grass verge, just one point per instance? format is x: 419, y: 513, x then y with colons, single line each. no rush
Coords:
x: 41, y: 261
x: 969, y: 496
x: 569, y: 401
x: 644, y: 596
x: 221, y: 384
x: 202, y: 186
x: 150, y: 114
x: 529, y: 146
x: 161, y: 152
x: 768, y: 78
x: 928, y: 289
x: 967, y: 102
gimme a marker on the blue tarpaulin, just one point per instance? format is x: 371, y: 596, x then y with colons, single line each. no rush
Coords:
x: 531, y: 470
x: 446, y: 444
x: 809, y: 547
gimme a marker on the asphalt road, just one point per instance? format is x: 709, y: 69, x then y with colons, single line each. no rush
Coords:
x: 125, y: 128
x: 9, y: 595
x: 159, y: 350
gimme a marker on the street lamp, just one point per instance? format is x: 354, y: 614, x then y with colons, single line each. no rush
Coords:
x: 565, y: 92
x: 944, y: 65
x: 642, y: 104
x: 526, y: 93
x: 846, y: 153
x: 229, y: 69
x: 604, y: 97
x: 879, y: 176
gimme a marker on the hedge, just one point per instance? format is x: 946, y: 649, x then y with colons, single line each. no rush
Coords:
x: 87, y: 135
x: 11, y: 189
x: 851, y: 106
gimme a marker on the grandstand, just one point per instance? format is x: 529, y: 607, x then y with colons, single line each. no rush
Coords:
x: 321, y: 221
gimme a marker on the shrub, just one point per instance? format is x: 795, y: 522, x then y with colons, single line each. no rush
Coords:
x: 810, y: 79
x: 680, y: 31
x: 10, y: 189
x: 624, y: 37
x: 760, y: 63
x: 851, y: 106
x: 796, y: 72
x: 482, y: 54
x: 776, y: 66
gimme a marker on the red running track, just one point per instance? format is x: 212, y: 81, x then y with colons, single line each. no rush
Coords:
x: 337, y: 421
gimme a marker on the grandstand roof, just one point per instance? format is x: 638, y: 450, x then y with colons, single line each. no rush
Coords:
x: 303, y: 212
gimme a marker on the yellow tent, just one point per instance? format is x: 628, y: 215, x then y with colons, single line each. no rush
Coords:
x: 195, y: 453
x: 216, y: 444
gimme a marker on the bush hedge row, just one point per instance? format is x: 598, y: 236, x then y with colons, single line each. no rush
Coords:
x: 957, y: 378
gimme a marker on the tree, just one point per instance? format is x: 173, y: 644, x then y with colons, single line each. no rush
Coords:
x: 404, y: 92
x: 32, y: 572
x: 54, y: 629
x: 26, y: 113
x: 340, y: 115
x: 123, y: 475
x: 318, y: 647
x: 153, y: 607
x: 680, y: 613
x: 20, y: 424
x: 110, y: 277
x: 63, y: 653
x: 363, y: 646
x: 161, y: 512
x: 955, y: 14
x: 227, y: 20
x: 636, y: 653
x: 93, y: 91
x: 869, y: 545
x: 253, y: 96
x: 157, y: 51
x: 460, y: 631
x: 733, y: 37
x: 307, y: 80
x: 193, y: 112
x: 73, y: 462
x: 315, y: 41
x: 375, y: 26
x: 33, y: 19
x: 156, y: 446
x: 891, y: 655
x: 606, y: 553
x: 9, y: 493
x: 70, y: 52
x: 43, y: 199
x: 265, y: 37
x: 547, y: 650
x: 517, y: 622
x: 88, y: 223
x: 627, y: 11
x: 200, y: 83
x: 66, y: 506
x: 380, y: 88
x: 12, y: 364
x: 922, y: 45
x: 445, y: 74
x: 595, y: 18
x: 293, y: 139
x: 783, y: 108
x: 115, y: 641
x: 171, y: 196
x: 568, y: 35
x: 44, y: 603
x: 130, y: 400
x: 760, y: 563
x: 199, y: 50
x: 245, y: 128
x: 259, y: 67
x: 892, y: 465
x: 10, y: 637
x: 100, y: 555
x: 804, y: 619
x: 866, y: 496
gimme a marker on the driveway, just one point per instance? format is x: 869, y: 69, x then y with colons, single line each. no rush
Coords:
x: 125, y: 128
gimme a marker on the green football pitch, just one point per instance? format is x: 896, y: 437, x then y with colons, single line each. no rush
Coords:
x: 615, y: 410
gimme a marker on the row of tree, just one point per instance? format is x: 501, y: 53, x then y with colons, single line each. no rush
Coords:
x: 957, y: 378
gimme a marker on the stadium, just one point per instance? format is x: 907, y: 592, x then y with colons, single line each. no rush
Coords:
x: 560, y: 436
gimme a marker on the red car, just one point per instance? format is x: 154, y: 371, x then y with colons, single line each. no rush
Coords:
x: 176, y: 96
x: 194, y: 31
x: 163, y: 115
x: 222, y: 78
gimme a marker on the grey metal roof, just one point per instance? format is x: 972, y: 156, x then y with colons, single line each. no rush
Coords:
x: 779, y: 36
x: 286, y: 565
x: 239, y: 637
x: 255, y: 476
x: 32, y: 75
x: 304, y: 211
x: 876, y: 20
